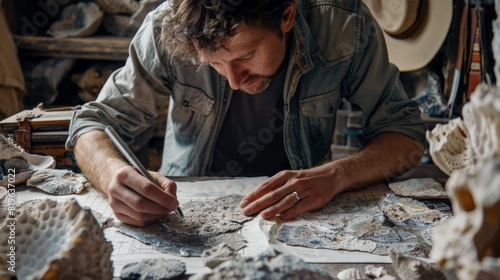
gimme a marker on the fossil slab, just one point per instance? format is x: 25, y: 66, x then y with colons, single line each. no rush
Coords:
x: 217, y: 255
x: 16, y: 165
x: 58, y: 240
x: 356, y: 224
x: 77, y: 20
x: 269, y: 265
x: 58, y: 181
x: 205, y: 225
x: 153, y: 269
x: 419, y: 188
x: 469, y: 243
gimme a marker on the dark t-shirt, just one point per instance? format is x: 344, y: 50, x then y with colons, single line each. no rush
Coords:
x: 251, y: 138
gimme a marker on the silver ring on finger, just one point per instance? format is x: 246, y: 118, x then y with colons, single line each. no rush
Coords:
x: 297, y: 197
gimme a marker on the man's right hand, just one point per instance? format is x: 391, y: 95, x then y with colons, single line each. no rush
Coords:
x: 137, y: 201
x: 133, y: 198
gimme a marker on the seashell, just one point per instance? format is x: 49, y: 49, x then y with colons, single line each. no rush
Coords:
x: 350, y: 274
x: 23, y: 164
x: 118, y: 6
x: 154, y: 269
x: 408, y: 267
x: 57, y: 181
x: 466, y: 144
x: 59, y: 240
x: 378, y: 272
x: 77, y: 20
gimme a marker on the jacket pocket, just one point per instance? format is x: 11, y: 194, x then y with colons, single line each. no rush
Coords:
x: 190, y: 110
x: 318, y: 115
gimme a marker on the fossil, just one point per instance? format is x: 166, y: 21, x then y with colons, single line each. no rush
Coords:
x: 268, y: 265
x: 153, y: 269
x: 356, y: 224
x: 58, y: 181
x: 205, y: 225
x: 77, y: 20
x: 58, y: 240
x: 17, y: 165
x: 408, y: 267
x: 418, y: 188
x: 377, y: 272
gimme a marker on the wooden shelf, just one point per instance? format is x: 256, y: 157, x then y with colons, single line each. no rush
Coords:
x: 99, y: 47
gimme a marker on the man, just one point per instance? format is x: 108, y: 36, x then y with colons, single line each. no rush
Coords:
x: 254, y: 87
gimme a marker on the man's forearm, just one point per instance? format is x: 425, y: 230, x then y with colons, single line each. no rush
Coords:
x: 97, y: 157
x: 385, y: 156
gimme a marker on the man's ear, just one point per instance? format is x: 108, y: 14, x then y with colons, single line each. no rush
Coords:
x: 288, y: 17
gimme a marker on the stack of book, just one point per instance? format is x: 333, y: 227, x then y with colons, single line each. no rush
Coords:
x: 42, y: 131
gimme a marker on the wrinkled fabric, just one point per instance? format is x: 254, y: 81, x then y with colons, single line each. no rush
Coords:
x: 338, y: 51
x: 11, y: 77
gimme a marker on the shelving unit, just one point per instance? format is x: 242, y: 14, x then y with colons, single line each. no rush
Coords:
x: 98, y: 47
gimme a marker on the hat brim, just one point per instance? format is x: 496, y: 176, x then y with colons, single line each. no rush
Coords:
x: 417, y: 50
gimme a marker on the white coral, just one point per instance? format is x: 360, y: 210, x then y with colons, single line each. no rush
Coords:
x: 466, y: 144
x: 59, y: 240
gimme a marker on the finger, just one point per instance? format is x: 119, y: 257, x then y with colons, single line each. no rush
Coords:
x: 264, y: 188
x: 131, y: 221
x: 287, y: 202
x: 130, y: 177
x: 134, y: 202
x: 306, y: 204
x: 165, y: 184
x: 269, y: 199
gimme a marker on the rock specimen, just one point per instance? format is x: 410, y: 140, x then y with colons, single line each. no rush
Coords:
x: 77, y: 20
x: 16, y: 165
x: 268, y: 265
x: 469, y: 243
x: 59, y: 240
x: 153, y: 269
x: 58, y: 181
x: 418, y: 188
x: 205, y: 225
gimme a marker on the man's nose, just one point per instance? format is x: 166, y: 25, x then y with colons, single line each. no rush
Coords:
x: 236, y: 75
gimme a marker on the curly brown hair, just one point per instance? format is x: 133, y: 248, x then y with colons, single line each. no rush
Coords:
x: 191, y: 25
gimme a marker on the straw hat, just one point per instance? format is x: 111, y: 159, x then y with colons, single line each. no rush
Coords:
x: 414, y: 30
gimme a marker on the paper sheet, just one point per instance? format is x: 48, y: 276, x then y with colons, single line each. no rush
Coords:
x: 257, y: 231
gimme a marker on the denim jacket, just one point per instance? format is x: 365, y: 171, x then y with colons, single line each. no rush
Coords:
x: 338, y: 52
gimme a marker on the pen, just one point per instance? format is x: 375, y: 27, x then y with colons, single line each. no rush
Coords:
x: 129, y: 155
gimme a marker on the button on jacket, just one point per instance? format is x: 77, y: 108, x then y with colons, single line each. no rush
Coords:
x: 338, y: 52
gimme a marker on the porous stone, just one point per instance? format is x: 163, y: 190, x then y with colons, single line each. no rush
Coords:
x: 58, y: 181
x: 59, y: 240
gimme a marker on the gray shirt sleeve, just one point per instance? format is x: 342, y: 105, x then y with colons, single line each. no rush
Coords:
x: 131, y: 98
x: 375, y: 88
